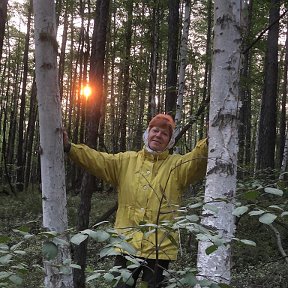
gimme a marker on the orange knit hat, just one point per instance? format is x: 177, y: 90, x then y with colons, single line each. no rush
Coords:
x: 163, y: 121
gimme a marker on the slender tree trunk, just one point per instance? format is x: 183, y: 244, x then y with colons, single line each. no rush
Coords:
x: 223, y: 141
x: 113, y: 116
x: 20, y: 154
x: 244, y: 154
x: 183, y: 64
x: 154, y: 60
x: 93, y: 121
x: 126, y: 87
x: 62, y: 51
x: 171, y: 81
x: 29, y: 139
x: 282, y: 131
x: 267, y: 124
x: 3, y: 18
x: 207, y: 73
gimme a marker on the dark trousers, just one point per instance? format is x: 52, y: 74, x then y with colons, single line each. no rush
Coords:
x: 152, y: 275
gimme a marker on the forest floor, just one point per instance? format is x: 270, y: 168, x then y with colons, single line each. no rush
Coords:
x: 253, y: 267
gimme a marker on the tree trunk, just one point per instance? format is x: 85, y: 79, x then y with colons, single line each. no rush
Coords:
x: 21, y: 128
x: 283, y: 103
x: 267, y: 124
x: 29, y: 137
x: 51, y: 142
x: 154, y: 60
x: 244, y: 155
x: 173, y: 32
x: 126, y: 70
x: 183, y: 64
x: 93, y: 121
x: 3, y: 18
x: 223, y: 141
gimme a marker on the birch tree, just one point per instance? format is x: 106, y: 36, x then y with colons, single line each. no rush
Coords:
x: 51, y: 143
x: 183, y: 64
x: 223, y: 143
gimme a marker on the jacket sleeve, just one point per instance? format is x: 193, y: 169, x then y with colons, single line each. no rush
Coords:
x: 102, y: 165
x: 193, y: 165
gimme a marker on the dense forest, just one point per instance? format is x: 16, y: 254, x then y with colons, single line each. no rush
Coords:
x: 118, y: 64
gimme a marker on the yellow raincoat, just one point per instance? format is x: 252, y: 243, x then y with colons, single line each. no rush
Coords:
x: 149, y: 188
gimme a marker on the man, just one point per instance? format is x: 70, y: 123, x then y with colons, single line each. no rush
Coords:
x: 150, y: 183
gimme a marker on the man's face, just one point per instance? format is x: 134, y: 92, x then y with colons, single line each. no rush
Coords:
x: 158, y: 138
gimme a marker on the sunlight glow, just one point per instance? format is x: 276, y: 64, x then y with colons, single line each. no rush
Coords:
x: 86, y: 91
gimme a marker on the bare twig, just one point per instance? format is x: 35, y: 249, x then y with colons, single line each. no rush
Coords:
x: 279, y: 242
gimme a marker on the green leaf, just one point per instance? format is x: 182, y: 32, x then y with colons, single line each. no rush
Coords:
x: 211, y: 249
x: 49, y: 250
x: 285, y: 213
x: 192, y: 218
x: 172, y: 239
x: 20, y: 252
x: 189, y: 279
x: 49, y: 234
x: 145, y: 285
x: 248, y: 242
x: 273, y: 191
x: 16, y: 279
x: 21, y: 268
x: 4, y: 275
x: 77, y: 239
x: 14, y: 247
x: 22, y: 232
x: 75, y: 266
x: 4, y: 239
x: 59, y: 241
x: 127, y: 276
x: 24, y: 229
x: 251, y: 195
x: 99, y: 236
x: 108, y: 251
x: 93, y: 277
x: 267, y: 218
x: 240, y: 211
x: 196, y: 205
x: 205, y: 283
x: 275, y: 207
x: 211, y: 208
x: 127, y: 247
x: 5, y: 259
x: 100, y: 223
x: 256, y: 212
x: 108, y: 277
x: 4, y: 247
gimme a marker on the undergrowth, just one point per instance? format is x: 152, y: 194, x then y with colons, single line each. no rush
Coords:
x: 253, y: 267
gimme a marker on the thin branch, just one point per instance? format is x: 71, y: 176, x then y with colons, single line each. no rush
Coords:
x: 200, y: 110
x: 264, y: 31
x: 279, y: 242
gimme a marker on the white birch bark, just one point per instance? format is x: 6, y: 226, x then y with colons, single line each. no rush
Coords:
x: 284, y: 160
x: 223, y: 140
x: 51, y: 150
x: 183, y: 64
